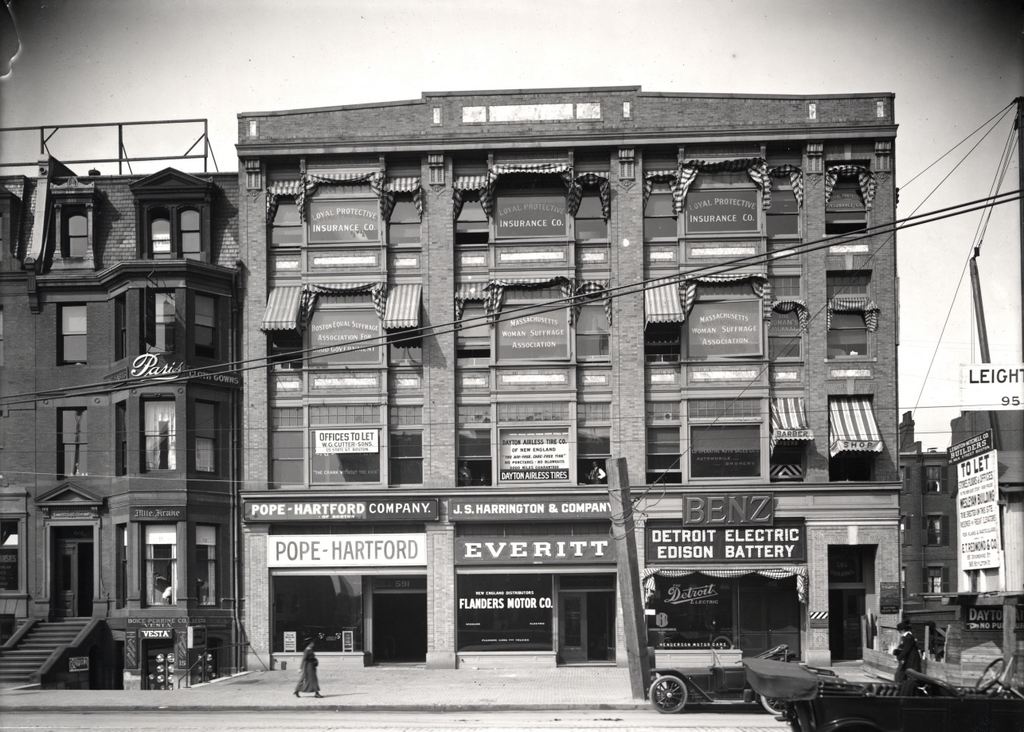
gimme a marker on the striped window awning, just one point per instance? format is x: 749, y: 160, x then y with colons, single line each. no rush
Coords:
x: 403, y: 308
x: 852, y: 426
x: 282, y: 311
x: 466, y: 293
x: 661, y: 304
x: 789, y: 421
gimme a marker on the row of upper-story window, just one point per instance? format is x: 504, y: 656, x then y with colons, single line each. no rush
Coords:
x: 169, y: 233
x: 145, y: 441
x: 159, y: 569
x: 166, y: 319
x: 720, y: 204
x: 530, y: 442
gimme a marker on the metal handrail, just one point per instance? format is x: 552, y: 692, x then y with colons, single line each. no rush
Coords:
x: 186, y: 675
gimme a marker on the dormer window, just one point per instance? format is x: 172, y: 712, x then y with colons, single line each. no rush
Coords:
x: 174, y: 216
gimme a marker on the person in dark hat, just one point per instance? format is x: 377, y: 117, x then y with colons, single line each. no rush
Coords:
x: 907, y: 653
x: 308, y: 682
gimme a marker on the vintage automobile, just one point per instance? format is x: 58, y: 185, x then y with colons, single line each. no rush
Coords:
x: 673, y: 688
x: 816, y: 702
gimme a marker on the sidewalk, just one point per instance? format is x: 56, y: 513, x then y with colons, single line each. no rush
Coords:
x: 378, y: 688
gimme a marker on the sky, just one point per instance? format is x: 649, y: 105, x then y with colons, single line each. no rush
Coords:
x: 952, y: 65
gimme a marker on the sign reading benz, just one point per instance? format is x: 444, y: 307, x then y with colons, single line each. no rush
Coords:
x: 352, y: 509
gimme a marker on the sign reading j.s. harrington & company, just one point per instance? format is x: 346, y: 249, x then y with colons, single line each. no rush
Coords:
x: 528, y: 509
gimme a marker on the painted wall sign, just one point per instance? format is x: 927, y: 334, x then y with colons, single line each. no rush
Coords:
x: 347, y: 550
x: 156, y: 513
x: 540, y: 336
x: 504, y: 612
x: 165, y: 622
x: 715, y: 212
x: 992, y: 386
x: 78, y: 663
x: 549, y: 550
x: 528, y: 509
x: 724, y: 509
x: 343, y: 221
x: 988, y: 618
x: 540, y: 215
x: 889, y: 597
x: 534, y: 454
x: 152, y: 367
x: 350, y: 509
x: 344, y: 329
x: 330, y: 442
x: 977, y: 508
x: 667, y: 543
x: 724, y: 328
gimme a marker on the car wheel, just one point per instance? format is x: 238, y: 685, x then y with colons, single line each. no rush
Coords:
x: 772, y: 706
x: 668, y: 694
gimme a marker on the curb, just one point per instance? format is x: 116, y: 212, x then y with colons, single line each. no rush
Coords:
x: 555, y: 707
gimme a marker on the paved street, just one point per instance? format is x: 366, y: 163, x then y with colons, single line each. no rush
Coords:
x: 639, y: 720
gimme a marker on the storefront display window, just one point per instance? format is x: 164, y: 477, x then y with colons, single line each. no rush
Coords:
x: 692, y: 611
x: 504, y: 612
x: 325, y: 609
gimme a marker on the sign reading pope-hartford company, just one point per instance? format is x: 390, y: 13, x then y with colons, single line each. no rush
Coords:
x: 349, y: 509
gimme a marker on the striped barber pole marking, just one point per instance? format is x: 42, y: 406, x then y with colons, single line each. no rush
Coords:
x: 818, y: 615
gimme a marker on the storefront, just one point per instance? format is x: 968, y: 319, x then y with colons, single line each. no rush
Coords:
x: 725, y: 574
x: 535, y: 581
x: 349, y: 575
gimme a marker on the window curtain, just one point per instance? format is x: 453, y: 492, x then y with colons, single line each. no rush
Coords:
x: 796, y: 181
x: 312, y: 181
x: 160, y: 442
x: 788, y: 305
x: 592, y: 290
x: 390, y: 190
x: 471, y: 185
x: 799, y: 572
x: 277, y: 191
x: 758, y: 283
x: 496, y: 291
x: 854, y: 304
x: 866, y: 181
x: 590, y: 180
x: 311, y: 294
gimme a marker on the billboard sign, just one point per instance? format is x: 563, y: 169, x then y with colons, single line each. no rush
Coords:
x: 977, y: 503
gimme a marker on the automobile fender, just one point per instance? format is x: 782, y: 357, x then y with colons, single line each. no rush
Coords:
x: 849, y: 724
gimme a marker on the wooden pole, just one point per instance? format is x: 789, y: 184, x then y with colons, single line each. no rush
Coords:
x: 624, y: 534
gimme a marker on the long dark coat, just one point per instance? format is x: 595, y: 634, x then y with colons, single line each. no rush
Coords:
x: 308, y: 682
x: 908, y: 655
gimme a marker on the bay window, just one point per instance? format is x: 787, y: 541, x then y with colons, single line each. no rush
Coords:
x: 206, y: 565
x: 161, y: 541
x: 158, y: 426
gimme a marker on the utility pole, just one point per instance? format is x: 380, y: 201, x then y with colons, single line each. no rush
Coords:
x: 624, y: 535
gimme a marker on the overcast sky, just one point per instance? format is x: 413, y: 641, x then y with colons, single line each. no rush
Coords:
x: 952, y: 65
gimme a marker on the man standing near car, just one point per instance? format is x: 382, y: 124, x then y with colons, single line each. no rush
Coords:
x: 907, y: 652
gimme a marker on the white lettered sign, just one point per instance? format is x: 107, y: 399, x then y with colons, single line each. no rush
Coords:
x: 347, y: 550
x: 991, y: 386
x: 977, y: 504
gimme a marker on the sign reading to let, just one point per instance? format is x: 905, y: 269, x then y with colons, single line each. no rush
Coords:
x: 716, y: 212
x: 534, y: 455
x: 343, y: 221
x: 977, y: 503
x: 724, y: 329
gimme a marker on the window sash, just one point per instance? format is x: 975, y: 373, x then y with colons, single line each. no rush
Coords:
x: 158, y: 425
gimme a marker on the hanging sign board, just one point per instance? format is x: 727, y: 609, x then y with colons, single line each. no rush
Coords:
x: 992, y: 387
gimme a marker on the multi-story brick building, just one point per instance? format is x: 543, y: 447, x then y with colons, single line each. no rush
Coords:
x: 118, y: 448
x: 927, y: 526
x: 471, y: 302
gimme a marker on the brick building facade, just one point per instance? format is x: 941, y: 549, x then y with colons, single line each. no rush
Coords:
x: 118, y: 440
x: 471, y: 302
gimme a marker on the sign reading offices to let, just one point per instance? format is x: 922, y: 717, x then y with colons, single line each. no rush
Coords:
x: 347, y: 550
x: 721, y: 211
x: 343, y: 221
x: 724, y: 329
x: 977, y: 502
x: 333, y: 442
x: 534, y: 455
x: 992, y: 386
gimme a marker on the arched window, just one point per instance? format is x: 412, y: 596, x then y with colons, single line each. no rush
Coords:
x: 160, y: 234
x: 77, y: 241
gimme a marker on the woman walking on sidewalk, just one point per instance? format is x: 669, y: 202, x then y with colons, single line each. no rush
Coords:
x: 308, y: 681
x: 907, y: 653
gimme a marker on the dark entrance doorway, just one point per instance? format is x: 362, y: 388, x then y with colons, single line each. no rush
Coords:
x: 850, y: 573
x: 399, y: 620
x: 72, y: 572
x: 586, y: 618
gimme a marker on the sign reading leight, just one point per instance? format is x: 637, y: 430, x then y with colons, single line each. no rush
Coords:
x: 349, y: 510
